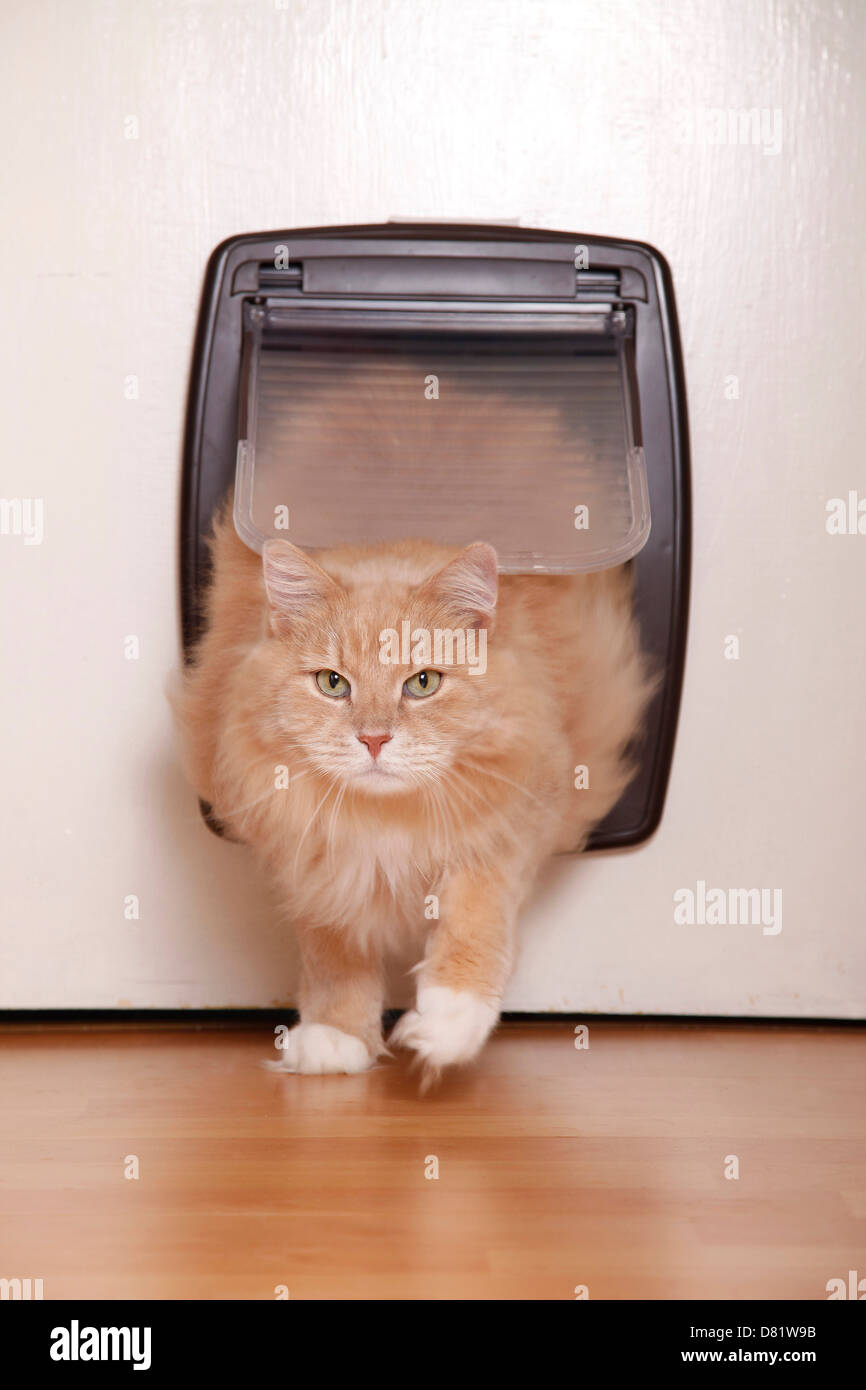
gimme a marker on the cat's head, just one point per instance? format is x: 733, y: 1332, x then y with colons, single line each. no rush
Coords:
x: 374, y: 670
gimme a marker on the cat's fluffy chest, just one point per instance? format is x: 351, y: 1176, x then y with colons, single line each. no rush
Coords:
x: 370, y: 878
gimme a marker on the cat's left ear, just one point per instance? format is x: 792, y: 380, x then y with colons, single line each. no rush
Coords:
x: 467, y: 587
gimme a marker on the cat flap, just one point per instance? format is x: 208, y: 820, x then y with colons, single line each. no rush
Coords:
x: 459, y: 383
x: 456, y: 424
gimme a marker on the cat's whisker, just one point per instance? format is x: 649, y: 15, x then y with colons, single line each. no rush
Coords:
x: 308, y: 826
x: 460, y: 785
x: 477, y: 808
x: 332, y: 821
x: 442, y: 818
x: 224, y: 815
x: 243, y: 811
x: 429, y: 802
x: 494, y: 811
x: 488, y: 772
x: 250, y: 805
x: 443, y: 808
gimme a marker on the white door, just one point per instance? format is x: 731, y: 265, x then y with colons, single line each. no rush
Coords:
x: 730, y: 137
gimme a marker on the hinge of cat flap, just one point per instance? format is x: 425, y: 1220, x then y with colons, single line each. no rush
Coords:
x: 421, y: 277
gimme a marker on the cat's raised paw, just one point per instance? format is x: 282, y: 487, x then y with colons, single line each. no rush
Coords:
x: 448, y: 1026
x: 315, y: 1049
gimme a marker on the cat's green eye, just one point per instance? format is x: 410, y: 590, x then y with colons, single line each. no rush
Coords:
x: 332, y: 683
x: 422, y: 683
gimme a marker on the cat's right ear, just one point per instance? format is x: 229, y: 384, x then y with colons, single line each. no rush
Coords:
x: 294, y: 584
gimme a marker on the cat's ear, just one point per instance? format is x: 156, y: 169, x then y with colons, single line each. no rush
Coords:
x: 294, y: 584
x: 467, y: 587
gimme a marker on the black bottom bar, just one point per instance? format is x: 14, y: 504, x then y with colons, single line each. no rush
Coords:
x: 239, y: 1339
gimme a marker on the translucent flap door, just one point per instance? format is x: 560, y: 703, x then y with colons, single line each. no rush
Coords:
x: 522, y: 440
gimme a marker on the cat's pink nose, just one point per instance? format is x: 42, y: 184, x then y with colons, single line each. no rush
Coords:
x: 374, y: 742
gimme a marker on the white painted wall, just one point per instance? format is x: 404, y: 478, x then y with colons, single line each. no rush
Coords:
x: 252, y: 116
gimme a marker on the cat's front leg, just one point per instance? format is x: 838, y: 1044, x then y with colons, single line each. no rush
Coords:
x: 463, y: 976
x: 340, y: 1004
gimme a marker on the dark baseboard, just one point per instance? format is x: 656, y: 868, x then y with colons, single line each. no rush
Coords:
x: 250, y: 1018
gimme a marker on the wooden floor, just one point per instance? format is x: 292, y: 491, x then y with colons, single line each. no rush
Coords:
x: 557, y: 1167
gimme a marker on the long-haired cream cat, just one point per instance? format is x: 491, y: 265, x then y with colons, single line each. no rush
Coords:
x: 378, y: 791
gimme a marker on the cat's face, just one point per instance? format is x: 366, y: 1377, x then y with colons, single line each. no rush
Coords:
x: 375, y: 682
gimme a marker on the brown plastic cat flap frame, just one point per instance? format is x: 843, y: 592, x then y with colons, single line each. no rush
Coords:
x: 460, y: 383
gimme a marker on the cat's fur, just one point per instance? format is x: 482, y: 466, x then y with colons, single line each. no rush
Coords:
x: 473, y: 792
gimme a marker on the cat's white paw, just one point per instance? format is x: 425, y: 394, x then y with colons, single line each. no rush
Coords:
x: 447, y: 1026
x: 317, y: 1048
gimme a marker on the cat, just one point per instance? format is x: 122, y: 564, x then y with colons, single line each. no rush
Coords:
x: 390, y: 799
